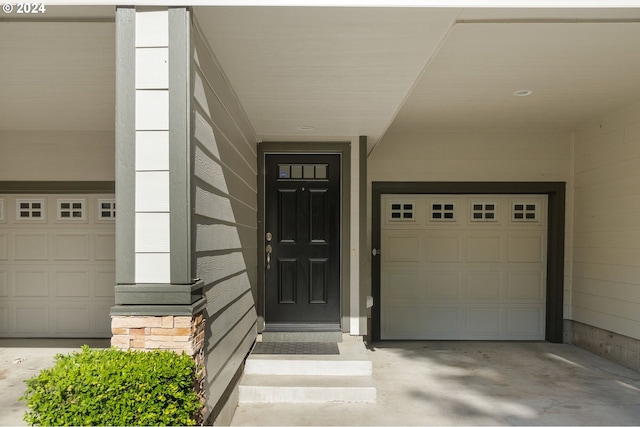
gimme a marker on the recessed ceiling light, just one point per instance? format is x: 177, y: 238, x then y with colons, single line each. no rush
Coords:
x: 306, y: 127
x: 523, y: 92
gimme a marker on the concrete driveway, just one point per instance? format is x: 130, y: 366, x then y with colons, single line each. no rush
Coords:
x: 21, y: 359
x: 476, y: 383
x: 419, y: 383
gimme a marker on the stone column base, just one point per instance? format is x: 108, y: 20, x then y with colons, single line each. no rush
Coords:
x: 181, y: 334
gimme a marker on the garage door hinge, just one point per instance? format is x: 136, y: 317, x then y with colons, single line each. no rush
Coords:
x: 375, y: 252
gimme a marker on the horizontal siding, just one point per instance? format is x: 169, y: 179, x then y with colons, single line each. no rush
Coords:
x: 224, y: 220
x: 208, y: 135
x: 606, y: 272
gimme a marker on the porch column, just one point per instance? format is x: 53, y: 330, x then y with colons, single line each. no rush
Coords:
x: 158, y: 301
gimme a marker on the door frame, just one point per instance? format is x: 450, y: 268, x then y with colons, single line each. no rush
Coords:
x: 555, y: 237
x: 344, y: 150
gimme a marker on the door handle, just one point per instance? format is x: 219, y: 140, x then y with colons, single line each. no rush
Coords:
x: 268, y: 250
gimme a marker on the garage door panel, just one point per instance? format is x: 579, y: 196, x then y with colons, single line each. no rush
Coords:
x: 402, y: 248
x: 71, y: 246
x: 440, y: 321
x: 31, y: 282
x: 72, y: 320
x: 443, y: 247
x: 481, y: 322
x: 4, y: 318
x: 4, y: 282
x: 400, y: 322
x: 443, y: 285
x: 483, y: 285
x: 525, y: 322
x: 105, y: 246
x: 4, y: 246
x: 484, y: 247
x: 526, y: 248
x: 105, y: 283
x: 403, y: 285
x: 30, y: 246
x: 525, y: 285
x: 71, y: 282
x: 32, y: 319
x: 102, y: 318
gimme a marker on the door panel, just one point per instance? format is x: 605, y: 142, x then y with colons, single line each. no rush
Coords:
x: 302, y: 213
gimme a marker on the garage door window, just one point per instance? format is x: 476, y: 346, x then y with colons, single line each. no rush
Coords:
x: 71, y: 210
x: 30, y: 209
x: 106, y: 209
x: 525, y: 212
x: 484, y: 211
x: 401, y: 211
x: 442, y: 211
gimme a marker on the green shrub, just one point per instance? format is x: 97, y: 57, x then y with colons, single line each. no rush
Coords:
x: 112, y: 387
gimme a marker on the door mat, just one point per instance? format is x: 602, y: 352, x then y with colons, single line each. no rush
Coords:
x: 296, y: 348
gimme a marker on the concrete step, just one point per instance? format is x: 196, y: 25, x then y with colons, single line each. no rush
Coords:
x: 312, y: 367
x: 306, y: 389
x: 304, y: 378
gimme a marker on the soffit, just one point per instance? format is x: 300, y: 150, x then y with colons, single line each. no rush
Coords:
x: 343, y: 71
x: 577, y: 72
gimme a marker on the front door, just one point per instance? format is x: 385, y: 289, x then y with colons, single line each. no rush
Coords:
x: 302, y: 241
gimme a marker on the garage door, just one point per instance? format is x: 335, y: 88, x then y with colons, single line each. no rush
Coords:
x: 463, y: 267
x: 57, y: 265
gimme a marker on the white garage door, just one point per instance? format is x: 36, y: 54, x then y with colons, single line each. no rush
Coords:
x: 57, y: 265
x: 463, y: 267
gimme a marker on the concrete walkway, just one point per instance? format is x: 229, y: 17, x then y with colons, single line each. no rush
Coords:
x: 476, y: 383
x: 20, y: 359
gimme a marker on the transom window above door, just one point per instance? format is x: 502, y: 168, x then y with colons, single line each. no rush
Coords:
x: 303, y: 171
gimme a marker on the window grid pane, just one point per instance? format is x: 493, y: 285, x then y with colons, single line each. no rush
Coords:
x: 442, y: 211
x: 524, y: 212
x: 402, y: 211
x: 71, y: 210
x: 484, y: 212
x: 30, y: 209
x: 106, y: 209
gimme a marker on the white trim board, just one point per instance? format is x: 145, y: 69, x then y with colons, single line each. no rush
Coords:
x: 537, y: 4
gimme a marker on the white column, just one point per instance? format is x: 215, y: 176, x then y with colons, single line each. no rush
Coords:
x: 152, y: 225
x: 354, y: 258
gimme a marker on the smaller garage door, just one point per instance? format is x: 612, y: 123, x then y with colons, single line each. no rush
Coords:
x: 463, y: 267
x: 57, y: 265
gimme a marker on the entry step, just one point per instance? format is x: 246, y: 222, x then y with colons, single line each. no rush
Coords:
x: 306, y: 389
x: 314, y: 367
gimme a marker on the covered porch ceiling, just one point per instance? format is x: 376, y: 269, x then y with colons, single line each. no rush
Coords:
x: 333, y: 73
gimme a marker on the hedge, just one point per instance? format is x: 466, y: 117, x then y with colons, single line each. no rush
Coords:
x: 112, y: 387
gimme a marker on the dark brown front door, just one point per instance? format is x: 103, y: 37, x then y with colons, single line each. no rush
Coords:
x: 302, y: 241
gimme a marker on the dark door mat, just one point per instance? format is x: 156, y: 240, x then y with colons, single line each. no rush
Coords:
x: 296, y: 348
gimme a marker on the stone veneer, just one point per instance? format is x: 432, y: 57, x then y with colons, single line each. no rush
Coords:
x: 618, y: 348
x: 181, y: 334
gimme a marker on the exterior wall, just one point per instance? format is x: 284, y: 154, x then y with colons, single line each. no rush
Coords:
x: 606, y: 269
x: 474, y: 156
x: 224, y: 224
x: 57, y: 155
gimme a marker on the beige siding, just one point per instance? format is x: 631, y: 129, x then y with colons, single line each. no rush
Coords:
x: 224, y: 223
x: 476, y: 156
x: 606, y: 269
x: 57, y: 155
